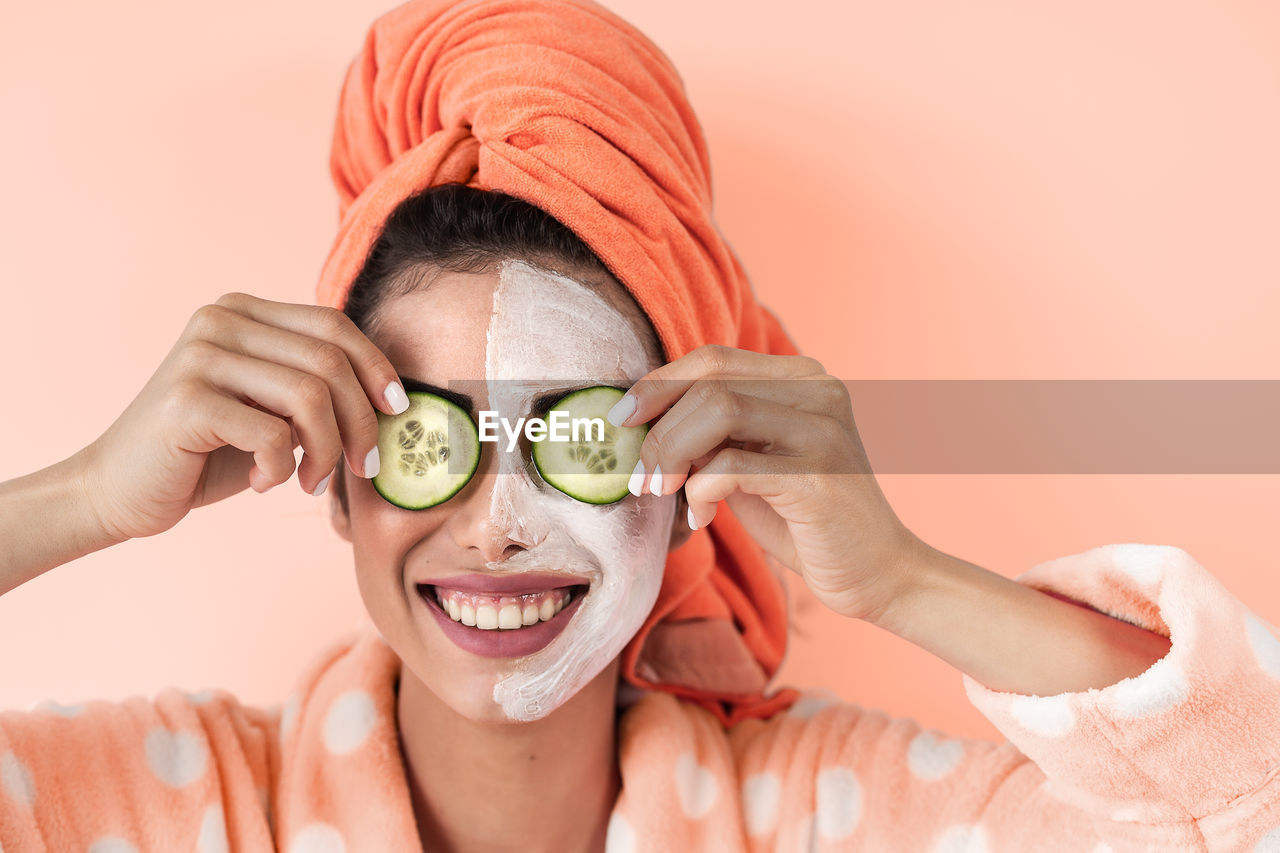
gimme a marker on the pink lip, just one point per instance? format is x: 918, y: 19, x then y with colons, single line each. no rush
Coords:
x: 522, y: 583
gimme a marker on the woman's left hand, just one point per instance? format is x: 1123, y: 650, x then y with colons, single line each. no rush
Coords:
x: 774, y: 436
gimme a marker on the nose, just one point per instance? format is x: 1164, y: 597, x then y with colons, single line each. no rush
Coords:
x: 498, y: 519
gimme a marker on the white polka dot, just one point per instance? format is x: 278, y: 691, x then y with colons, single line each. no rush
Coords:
x: 112, y: 844
x: 931, y: 757
x: 962, y: 839
x: 16, y: 778
x: 760, y: 792
x: 1146, y: 564
x: 1045, y: 715
x: 201, y: 697
x: 619, y: 837
x: 350, y: 719
x: 318, y: 838
x: 839, y: 802
x: 811, y: 702
x: 177, y: 758
x: 695, y: 786
x: 1103, y: 847
x: 1269, y: 843
x: 213, y: 831
x: 289, y: 715
x: 1162, y: 686
x: 1265, y: 645
x: 52, y: 707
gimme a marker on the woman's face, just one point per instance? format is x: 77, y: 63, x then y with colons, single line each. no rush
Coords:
x: 504, y: 338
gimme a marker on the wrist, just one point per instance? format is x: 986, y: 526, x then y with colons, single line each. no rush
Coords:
x: 79, y: 481
x: 920, y: 570
x: 47, y: 519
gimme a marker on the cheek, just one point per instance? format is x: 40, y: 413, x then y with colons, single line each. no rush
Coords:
x: 631, y: 542
x: 379, y: 529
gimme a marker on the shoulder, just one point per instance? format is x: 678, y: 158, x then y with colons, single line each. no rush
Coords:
x: 162, y: 771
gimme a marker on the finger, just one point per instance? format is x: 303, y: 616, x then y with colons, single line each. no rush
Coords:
x: 212, y: 420
x: 727, y: 418
x: 357, y: 420
x: 658, y: 389
x: 301, y: 397
x: 734, y: 469
x: 372, y: 369
x: 725, y: 393
x: 823, y: 395
x: 227, y: 474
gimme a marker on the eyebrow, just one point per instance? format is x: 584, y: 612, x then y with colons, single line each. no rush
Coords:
x: 464, y: 401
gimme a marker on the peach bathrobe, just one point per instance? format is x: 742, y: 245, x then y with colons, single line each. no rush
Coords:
x: 1182, y: 757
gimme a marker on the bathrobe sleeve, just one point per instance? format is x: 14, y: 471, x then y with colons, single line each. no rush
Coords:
x: 177, y: 772
x: 1191, y: 745
x: 1182, y: 757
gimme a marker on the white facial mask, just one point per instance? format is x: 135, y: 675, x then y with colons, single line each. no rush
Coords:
x: 547, y: 328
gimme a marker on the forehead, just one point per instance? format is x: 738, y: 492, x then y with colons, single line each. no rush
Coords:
x: 546, y: 327
x: 517, y: 323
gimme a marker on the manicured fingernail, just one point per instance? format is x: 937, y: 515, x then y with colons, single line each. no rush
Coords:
x: 655, y: 485
x: 322, y: 485
x: 396, y: 398
x: 693, y: 522
x: 637, y: 478
x: 371, y: 464
x: 621, y: 410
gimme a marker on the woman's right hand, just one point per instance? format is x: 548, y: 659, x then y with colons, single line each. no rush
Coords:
x: 247, y: 382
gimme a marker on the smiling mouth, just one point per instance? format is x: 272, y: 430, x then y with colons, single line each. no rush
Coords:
x: 488, y: 612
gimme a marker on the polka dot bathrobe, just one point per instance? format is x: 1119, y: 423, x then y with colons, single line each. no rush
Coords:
x: 1181, y: 757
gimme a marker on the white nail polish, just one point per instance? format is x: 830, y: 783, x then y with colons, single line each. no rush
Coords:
x: 322, y: 485
x: 655, y: 485
x: 693, y: 522
x: 621, y: 410
x: 371, y: 464
x: 637, y: 478
x: 396, y: 398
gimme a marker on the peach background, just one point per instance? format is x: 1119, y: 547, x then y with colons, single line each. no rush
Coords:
x: 1049, y: 190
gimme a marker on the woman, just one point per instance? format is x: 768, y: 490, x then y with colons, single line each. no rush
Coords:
x: 526, y: 212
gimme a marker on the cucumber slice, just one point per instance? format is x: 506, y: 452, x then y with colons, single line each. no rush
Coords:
x: 429, y: 452
x: 591, y: 471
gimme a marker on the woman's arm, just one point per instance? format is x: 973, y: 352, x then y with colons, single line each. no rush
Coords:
x: 775, y: 437
x: 46, y: 520
x: 248, y: 381
x: 1009, y: 636
x: 1166, y: 746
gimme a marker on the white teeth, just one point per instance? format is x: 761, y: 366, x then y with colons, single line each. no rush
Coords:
x: 509, y: 616
x: 505, y: 612
x: 486, y: 617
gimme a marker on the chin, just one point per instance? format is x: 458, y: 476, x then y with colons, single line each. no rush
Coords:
x: 477, y: 706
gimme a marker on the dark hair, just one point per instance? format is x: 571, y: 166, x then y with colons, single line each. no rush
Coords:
x: 464, y: 229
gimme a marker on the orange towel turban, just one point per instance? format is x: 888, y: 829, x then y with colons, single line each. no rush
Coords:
x: 563, y: 104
